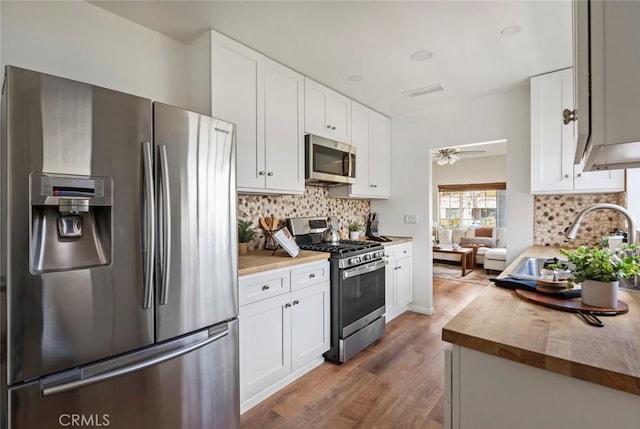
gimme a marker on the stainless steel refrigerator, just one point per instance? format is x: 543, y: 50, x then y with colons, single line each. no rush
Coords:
x: 118, y: 260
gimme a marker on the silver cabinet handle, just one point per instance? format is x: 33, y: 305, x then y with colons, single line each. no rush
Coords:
x: 329, y: 126
x: 150, y: 224
x: 166, y: 226
x: 312, y: 275
x: 566, y: 176
x: 296, y: 302
x: 270, y: 173
x: 287, y: 305
x: 48, y: 391
x: 568, y: 116
x: 579, y: 174
x: 265, y: 287
x: 333, y: 128
x: 261, y: 173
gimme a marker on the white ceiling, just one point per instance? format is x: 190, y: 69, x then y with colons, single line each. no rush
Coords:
x: 332, y: 40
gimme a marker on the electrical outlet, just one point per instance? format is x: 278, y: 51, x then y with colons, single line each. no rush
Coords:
x: 411, y: 219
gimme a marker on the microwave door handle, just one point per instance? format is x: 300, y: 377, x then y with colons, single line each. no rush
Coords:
x: 345, y: 156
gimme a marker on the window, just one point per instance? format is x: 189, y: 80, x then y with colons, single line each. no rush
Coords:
x: 472, y: 205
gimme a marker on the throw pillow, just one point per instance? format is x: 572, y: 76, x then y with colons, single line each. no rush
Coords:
x: 481, y: 241
x: 484, y: 232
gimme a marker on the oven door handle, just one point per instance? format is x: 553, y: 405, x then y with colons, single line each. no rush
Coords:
x: 364, y: 269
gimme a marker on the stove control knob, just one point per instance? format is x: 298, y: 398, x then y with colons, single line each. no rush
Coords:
x: 354, y: 261
x: 366, y: 257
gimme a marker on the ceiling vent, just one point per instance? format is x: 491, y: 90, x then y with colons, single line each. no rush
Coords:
x: 423, y: 91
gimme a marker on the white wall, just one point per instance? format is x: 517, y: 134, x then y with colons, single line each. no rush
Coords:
x: 496, y: 117
x: 488, y: 169
x: 79, y: 41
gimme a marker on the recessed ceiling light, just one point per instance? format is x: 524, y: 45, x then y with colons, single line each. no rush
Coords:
x: 510, y: 30
x: 355, y: 78
x: 421, y: 55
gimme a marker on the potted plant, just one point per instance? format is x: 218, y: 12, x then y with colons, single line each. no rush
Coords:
x: 245, y: 234
x: 354, y: 230
x: 599, y: 271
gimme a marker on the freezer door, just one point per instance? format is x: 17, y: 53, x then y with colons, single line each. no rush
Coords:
x: 196, y: 281
x: 85, y: 302
x: 188, y: 383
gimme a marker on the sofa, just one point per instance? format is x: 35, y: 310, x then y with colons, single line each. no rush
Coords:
x: 490, y: 244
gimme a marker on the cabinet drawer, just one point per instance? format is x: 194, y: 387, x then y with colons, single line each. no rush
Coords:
x: 261, y: 286
x: 404, y: 251
x: 399, y: 251
x: 309, y: 275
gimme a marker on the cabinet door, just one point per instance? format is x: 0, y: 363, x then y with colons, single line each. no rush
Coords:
x: 237, y: 86
x: 284, y: 135
x: 379, y: 155
x: 599, y: 181
x: 310, y: 324
x: 265, y: 344
x: 340, y: 114
x: 581, y: 95
x: 360, y: 129
x: 316, y: 109
x: 552, y: 147
x: 404, y: 281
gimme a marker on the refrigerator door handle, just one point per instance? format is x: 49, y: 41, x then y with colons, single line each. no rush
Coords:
x: 150, y: 223
x: 166, y: 226
x: 119, y: 372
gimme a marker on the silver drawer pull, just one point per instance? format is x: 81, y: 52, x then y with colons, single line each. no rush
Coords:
x: 287, y: 305
x: 265, y: 287
x: 296, y: 302
x: 312, y: 275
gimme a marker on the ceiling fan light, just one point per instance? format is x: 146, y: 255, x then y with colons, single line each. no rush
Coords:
x: 453, y: 158
x: 442, y: 161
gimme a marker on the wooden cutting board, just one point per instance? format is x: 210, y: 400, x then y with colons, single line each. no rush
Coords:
x: 573, y: 305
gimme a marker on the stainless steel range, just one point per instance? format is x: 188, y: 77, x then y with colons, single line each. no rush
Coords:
x: 357, y: 287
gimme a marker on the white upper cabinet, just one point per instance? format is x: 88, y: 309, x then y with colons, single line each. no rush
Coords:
x: 553, y: 144
x: 327, y: 113
x: 607, y: 70
x: 370, y: 133
x: 265, y: 100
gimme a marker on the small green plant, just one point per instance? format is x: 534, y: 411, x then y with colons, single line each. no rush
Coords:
x: 355, y: 226
x: 602, y: 264
x: 245, y: 231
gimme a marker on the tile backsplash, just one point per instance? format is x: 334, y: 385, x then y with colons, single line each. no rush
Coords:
x: 314, y: 202
x: 553, y: 214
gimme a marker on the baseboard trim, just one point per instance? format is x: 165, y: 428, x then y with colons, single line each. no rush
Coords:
x: 422, y: 310
x: 251, y: 402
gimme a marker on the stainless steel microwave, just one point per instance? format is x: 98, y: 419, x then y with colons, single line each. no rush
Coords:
x: 329, y: 161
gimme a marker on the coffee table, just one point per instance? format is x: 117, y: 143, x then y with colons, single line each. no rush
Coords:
x: 466, y: 257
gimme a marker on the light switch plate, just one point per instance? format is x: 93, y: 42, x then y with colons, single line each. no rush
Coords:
x: 411, y: 218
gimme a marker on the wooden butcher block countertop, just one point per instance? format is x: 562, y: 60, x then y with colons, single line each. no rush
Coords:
x: 263, y: 260
x: 499, y: 323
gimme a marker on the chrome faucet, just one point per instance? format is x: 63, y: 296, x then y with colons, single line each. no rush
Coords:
x: 573, y: 229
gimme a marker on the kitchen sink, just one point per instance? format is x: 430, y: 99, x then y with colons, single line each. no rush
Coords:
x: 531, y: 268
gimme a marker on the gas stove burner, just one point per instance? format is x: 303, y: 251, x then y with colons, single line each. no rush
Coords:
x: 343, y: 247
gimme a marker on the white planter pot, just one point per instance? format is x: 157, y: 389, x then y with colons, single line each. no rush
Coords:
x: 354, y: 235
x: 600, y: 294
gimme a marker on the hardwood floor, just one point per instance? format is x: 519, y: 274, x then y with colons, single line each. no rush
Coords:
x: 397, y: 382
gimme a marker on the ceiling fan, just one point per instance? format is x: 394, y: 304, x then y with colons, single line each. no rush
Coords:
x: 451, y: 155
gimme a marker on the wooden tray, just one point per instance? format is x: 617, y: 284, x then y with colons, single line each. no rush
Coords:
x: 573, y: 305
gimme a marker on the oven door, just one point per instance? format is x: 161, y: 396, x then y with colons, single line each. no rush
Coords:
x: 362, y: 292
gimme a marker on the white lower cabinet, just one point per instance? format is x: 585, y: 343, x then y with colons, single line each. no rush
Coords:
x: 282, y: 336
x: 398, y: 279
x: 486, y: 391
